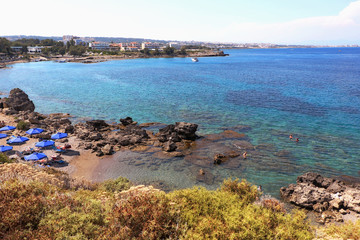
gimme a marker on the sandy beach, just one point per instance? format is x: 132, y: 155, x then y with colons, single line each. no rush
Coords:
x: 79, y: 163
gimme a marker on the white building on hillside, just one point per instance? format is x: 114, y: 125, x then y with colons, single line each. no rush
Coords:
x: 35, y: 49
x: 99, y: 46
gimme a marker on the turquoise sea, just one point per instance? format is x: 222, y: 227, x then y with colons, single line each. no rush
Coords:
x: 313, y: 94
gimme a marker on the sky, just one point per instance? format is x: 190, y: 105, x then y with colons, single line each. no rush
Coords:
x: 320, y: 22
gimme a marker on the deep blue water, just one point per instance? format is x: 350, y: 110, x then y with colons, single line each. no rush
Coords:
x: 312, y: 93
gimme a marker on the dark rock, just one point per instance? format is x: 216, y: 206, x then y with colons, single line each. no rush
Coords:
x: 69, y: 129
x: 126, y: 121
x: 96, y: 125
x: 219, y: 158
x: 18, y: 100
x: 169, y: 146
x: 99, y: 154
x: 88, y: 146
x: 95, y: 136
x: 125, y: 141
x: 179, y: 131
x: 186, y: 130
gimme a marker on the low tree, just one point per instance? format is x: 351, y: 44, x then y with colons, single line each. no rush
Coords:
x: 182, y: 50
x: 77, y: 50
x: 5, y: 45
x: 169, y: 50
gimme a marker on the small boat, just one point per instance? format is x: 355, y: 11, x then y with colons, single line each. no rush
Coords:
x: 194, y: 59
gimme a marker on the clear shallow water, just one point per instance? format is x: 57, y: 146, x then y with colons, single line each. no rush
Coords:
x: 312, y: 93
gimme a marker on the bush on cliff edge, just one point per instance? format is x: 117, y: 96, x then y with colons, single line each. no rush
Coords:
x: 37, y: 204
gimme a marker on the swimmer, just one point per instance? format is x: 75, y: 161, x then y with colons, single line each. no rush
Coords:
x: 244, y: 155
x: 297, y: 139
x: 290, y: 137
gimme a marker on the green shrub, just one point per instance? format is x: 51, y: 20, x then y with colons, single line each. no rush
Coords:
x: 5, y: 159
x: 76, y: 217
x: 22, y: 205
x: 142, y: 215
x: 22, y: 125
x: 243, y: 189
x: 229, y: 213
x: 115, y: 185
x: 349, y: 230
x: 50, y: 209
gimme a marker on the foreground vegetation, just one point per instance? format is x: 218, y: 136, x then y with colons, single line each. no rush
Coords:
x: 43, y: 203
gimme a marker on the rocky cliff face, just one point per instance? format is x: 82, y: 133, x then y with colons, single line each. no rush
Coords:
x: 331, y: 198
x: 17, y: 101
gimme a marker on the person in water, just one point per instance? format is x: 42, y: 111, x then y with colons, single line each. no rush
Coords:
x: 244, y: 155
x: 290, y: 137
x: 297, y: 139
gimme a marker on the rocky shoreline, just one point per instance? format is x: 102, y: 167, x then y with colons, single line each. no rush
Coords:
x: 104, y: 58
x: 330, y: 199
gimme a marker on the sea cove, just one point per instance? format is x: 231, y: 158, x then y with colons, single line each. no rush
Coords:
x: 265, y: 93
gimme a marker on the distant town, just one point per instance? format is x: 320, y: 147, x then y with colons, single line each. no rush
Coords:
x: 134, y: 44
x: 94, y: 49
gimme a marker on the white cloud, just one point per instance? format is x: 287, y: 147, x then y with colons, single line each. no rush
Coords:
x: 343, y: 28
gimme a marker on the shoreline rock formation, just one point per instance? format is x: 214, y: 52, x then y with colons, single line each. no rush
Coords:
x: 17, y: 101
x: 331, y: 199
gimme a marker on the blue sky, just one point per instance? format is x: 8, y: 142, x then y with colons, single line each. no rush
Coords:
x: 275, y: 21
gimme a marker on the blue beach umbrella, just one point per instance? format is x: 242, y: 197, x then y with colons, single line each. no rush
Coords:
x: 33, y: 131
x: 35, y: 156
x: 59, y: 135
x: 7, y: 128
x: 3, y: 135
x: 5, y: 148
x: 18, y: 139
x: 45, y: 143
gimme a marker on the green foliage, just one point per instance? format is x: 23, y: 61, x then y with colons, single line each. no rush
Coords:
x: 349, y: 230
x: 182, y: 50
x: 26, y: 42
x: 77, y: 50
x: 78, y: 217
x: 5, y: 45
x: 241, y: 188
x: 48, y: 42
x: 169, y: 50
x: 22, y: 125
x: 145, y: 51
x: 22, y: 205
x: 142, y: 216
x: 50, y: 209
x: 229, y: 214
x: 5, y: 159
x: 115, y: 185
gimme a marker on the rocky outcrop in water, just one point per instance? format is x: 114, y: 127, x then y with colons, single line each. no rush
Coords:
x: 179, y: 131
x: 17, y: 101
x: 331, y: 198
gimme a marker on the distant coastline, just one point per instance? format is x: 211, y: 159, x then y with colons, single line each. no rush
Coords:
x: 103, y: 58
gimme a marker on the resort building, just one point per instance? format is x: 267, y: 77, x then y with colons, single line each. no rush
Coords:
x: 35, y: 49
x: 175, y: 45
x: 151, y: 45
x: 99, y: 46
x: 16, y: 48
x: 115, y: 46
